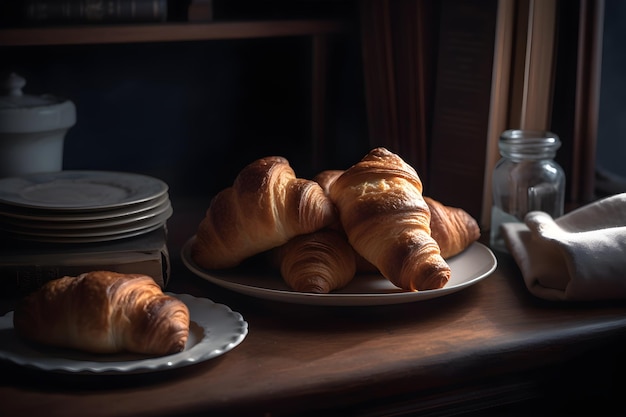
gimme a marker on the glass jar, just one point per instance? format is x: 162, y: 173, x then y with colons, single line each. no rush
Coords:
x: 525, y: 179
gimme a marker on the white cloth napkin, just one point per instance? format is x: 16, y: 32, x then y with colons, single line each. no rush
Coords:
x: 580, y: 256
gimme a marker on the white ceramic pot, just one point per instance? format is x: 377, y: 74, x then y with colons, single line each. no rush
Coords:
x: 32, y: 129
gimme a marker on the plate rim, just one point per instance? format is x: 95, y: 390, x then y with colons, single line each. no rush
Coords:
x: 37, y: 215
x: 83, y: 239
x: 205, y: 349
x: 99, y: 230
x: 337, y: 299
x: 160, y: 186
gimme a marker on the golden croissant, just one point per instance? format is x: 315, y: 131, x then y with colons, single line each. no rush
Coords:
x: 326, y: 178
x: 264, y: 208
x: 318, y: 262
x: 453, y: 228
x: 104, y: 312
x: 387, y: 221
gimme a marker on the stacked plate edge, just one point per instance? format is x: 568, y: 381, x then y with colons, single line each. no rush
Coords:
x: 82, y: 206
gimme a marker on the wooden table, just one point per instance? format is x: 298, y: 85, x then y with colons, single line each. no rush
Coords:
x: 491, y: 346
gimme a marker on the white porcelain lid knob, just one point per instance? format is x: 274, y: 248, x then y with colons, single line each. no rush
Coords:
x: 13, y: 85
x: 28, y: 113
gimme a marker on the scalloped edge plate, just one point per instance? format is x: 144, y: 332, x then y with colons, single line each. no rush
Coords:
x: 469, y: 267
x: 215, y: 329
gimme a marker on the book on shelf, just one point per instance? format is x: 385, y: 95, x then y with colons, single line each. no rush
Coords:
x: 24, y: 266
x: 45, y: 12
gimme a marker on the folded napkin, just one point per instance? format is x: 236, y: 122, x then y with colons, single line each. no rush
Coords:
x: 578, y: 256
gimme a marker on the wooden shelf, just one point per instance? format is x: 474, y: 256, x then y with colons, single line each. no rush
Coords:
x: 166, y: 32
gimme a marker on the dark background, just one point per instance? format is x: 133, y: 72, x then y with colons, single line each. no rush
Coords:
x: 194, y: 113
x: 612, y: 120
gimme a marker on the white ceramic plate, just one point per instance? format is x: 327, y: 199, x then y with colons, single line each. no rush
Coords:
x: 87, y: 235
x: 10, y: 213
x: 81, y: 239
x: 90, y: 229
x: 18, y: 225
x: 215, y: 329
x: 79, y: 190
x: 469, y: 267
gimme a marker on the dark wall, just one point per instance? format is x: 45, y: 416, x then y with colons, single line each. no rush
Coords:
x: 612, y: 119
x: 194, y: 113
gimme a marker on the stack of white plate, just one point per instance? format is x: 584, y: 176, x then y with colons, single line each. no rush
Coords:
x: 82, y: 206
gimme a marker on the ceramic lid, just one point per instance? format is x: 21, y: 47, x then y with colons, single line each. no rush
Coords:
x: 23, y: 113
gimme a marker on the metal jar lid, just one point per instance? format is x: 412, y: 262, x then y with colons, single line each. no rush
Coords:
x: 23, y: 113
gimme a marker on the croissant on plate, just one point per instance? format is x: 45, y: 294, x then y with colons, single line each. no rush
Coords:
x: 453, y: 228
x: 318, y: 262
x: 326, y: 178
x: 264, y: 208
x: 104, y: 312
x: 387, y: 221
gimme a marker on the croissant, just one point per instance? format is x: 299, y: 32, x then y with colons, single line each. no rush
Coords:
x: 453, y: 228
x: 326, y: 178
x: 264, y: 208
x: 387, y: 221
x: 104, y: 312
x: 318, y: 262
